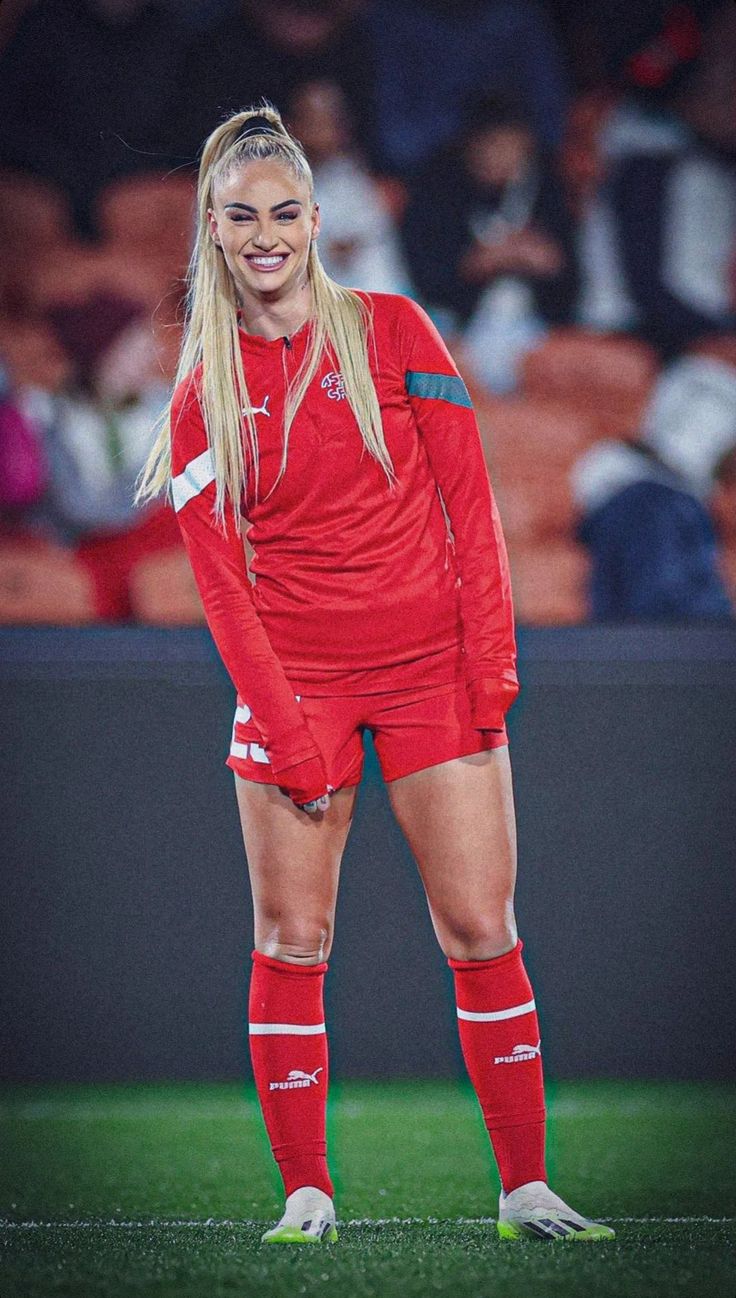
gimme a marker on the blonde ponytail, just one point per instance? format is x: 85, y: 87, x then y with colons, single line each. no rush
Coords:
x: 340, y: 324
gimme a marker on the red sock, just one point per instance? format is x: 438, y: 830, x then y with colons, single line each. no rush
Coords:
x: 288, y: 1048
x: 499, y: 1035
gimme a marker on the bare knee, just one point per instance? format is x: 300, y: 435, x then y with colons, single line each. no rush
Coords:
x: 477, y: 937
x: 299, y: 942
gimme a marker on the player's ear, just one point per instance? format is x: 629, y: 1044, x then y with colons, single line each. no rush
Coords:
x: 316, y: 219
x: 212, y: 221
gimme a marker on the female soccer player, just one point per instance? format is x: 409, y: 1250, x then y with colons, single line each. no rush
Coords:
x: 336, y: 425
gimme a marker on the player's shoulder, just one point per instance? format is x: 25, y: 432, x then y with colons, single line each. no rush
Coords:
x: 391, y: 306
x: 397, y: 319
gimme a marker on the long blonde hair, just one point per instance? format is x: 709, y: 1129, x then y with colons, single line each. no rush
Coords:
x: 341, y: 324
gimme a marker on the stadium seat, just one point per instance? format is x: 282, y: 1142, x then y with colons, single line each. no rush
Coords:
x: 150, y: 216
x: 52, y: 233
x: 45, y: 206
x: 42, y: 583
x: 32, y: 355
x: 535, y: 505
x: 609, y: 377
x: 85, y: 271
x: 549, y: 583
x: 163, y: 591
x: 529, y: 435
x: 530, y: 446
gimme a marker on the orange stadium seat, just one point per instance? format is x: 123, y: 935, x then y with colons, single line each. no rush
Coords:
x: 163, y: 591
x: 533, y: 434
x: 42, y: 583
x: 535, y: 506
x: 549, y: 583
x: 150, y: 216
x: 43, y: 204
x: 530, y: 446
x: 610, y: 377
x: 85, y: 271
x: 52, y: 230
x: 32, y: 355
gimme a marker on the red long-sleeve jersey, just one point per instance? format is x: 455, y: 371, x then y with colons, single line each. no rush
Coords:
x: 358, y: 589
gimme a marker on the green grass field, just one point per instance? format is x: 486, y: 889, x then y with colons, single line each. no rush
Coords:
x: 162, y: 1191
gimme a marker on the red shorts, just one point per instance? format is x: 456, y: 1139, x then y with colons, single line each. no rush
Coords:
x: 411, y: 729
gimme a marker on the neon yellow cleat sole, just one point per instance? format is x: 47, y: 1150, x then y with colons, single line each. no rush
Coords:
x: 541, y: 1230
x: 293, y: 1235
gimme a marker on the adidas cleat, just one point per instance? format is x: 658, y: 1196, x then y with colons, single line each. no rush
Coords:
x: 309, y: 1218
x: 532, y: 1211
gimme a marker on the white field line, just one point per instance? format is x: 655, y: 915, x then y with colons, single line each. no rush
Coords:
x: 212, y: 1222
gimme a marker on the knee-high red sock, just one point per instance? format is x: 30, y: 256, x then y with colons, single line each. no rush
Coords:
x: 499, y: 1035
x: 288, y: 1048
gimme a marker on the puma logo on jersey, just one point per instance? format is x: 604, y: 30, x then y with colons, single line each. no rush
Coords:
x: 295, y: 1080
x: 262, y: 410
x: 334, y: 386
x: 520, y: 1053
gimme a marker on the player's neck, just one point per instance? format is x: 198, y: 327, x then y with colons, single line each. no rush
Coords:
x: 279, y: 318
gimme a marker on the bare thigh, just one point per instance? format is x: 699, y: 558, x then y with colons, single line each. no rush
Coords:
x: 294, y: 866
x: 458, y: 818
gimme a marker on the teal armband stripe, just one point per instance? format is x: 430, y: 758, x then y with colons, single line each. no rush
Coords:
x: 438, y: 387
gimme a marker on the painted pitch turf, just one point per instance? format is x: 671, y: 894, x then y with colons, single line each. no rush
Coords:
x: 163, y: 1191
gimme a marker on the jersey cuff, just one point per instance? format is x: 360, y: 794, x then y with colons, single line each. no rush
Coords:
x: 490, y: 700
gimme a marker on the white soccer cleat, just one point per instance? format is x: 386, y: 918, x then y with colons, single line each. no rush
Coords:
x: 534, y: 1211
x: 309, y: 1218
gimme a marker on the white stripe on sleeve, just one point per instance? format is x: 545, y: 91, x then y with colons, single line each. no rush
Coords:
x: 197, y: 475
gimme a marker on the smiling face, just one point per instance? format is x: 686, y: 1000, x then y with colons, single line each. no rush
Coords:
x: 264, y: 219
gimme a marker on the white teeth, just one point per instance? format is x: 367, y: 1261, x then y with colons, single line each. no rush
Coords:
x: 266, y: 261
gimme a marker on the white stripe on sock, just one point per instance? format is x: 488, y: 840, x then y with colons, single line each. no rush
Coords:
x: 286, y: 1029
x: 494, y: 1015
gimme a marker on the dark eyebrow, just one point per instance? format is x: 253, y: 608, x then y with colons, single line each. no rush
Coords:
x: 245, y: 207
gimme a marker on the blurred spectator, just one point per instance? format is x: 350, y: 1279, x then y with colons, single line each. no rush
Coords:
x: 89, y: 90
x: 488, y: 239
x: 23, y: 467
x: 646, y: 512
x: 432, y: 55
x: 671, y: 188
x: 358, y: 243
x: 598, y: 134
x: 268, y: 50
x: 97, y: 435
